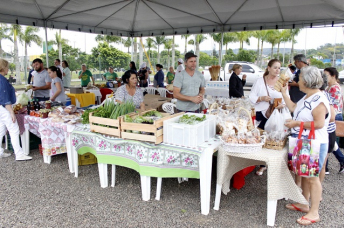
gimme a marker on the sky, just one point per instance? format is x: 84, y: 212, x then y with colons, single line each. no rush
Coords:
x: 309, y: 38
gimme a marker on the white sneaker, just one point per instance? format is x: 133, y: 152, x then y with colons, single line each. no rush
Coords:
x: 23, y: 157
x: 5, y: 155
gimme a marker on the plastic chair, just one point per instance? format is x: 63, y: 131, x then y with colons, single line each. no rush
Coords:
x: 150, y: 90
x: 168, y: 107
x: 162, y: 92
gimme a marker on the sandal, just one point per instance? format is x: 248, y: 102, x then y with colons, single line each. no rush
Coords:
x: 306, y: 221
x: 292, y: 207
x: 261, y: 171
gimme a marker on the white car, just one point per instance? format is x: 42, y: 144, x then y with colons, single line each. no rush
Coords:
x: 252, y: 71
x: 341, y: 76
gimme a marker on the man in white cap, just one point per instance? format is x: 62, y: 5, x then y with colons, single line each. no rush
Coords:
x: 180, y: 67
x: 145, y: 67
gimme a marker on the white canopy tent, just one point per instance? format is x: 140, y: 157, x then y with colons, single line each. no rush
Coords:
x: 136, y: 18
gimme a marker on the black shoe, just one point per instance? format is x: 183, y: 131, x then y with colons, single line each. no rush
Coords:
x: 341, y: 170
x: 327, y: 172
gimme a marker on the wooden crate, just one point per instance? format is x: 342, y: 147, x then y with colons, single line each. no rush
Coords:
x: 108, y: 128
x: 87, y: 159
x: 269, y: 144
x: 155, y: 130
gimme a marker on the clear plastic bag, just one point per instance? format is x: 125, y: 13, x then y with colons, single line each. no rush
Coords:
x: 275, y: 122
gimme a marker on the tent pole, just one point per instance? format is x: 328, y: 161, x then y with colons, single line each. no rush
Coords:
x: 46, y: 44
x: 220, y: 56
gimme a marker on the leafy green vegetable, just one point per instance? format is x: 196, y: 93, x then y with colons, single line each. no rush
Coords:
x: 153, y: 113
x: 85, y: 116
x: 191, y: 119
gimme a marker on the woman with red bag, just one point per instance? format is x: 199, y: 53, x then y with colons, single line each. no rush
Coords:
x: 312, y: 108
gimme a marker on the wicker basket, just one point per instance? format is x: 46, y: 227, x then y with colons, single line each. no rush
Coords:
x: 275, y: 145
x: 243, y: 148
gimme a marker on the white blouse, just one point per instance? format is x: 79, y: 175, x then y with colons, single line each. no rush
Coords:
x: 259, y: 90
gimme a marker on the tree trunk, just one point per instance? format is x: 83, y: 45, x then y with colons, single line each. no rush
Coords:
x: 258, y: 51
x: 1, y: 51
x: 135, y: 50
x: 173, y: 54
x: 272, y: 51
x: 60, y: 46
x: 186, y: 44
x: 197, y: 53
x: 278, y: 49
x: 158, y: 53
x: 241, y: 44
x: 141, y: 52
x: 25, y: 62
x: 168, y: 58
x: 292, y: 49
x: 261, y: 54
x: 16, y: 58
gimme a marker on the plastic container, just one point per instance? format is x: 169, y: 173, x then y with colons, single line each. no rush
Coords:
x: 87, y: 159
x: 189, y: 135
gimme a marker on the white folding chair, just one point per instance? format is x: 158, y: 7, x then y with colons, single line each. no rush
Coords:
x: 168, y: 107
x: 150, y: 90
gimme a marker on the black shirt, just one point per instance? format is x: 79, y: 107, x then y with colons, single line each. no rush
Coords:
x: 295, y: 93
x: 236, y: 86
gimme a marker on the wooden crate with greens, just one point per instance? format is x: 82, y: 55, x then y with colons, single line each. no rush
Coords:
x: 146, y: 126
x: 105, y: 119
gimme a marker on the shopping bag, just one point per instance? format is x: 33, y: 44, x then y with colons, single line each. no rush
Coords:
x: 286, y: 116
x: 275, y: 122
x: 304, y: 154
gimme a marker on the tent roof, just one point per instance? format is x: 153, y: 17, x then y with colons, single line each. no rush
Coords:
x: 166, y: 17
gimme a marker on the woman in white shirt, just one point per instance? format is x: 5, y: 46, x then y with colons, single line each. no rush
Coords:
x: 259, y: 95
x: 313, y: 107
x: 66, y: 74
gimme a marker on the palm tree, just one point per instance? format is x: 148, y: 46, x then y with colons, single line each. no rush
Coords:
x: 263, y: 35
x: 59, y: 41
x: 16, y: 31
x: 108, y: 39
x: 186, y: 41
x: 4, y: 30
x: 150, y: 44
x: 243, y: 37
x: 272, y: 38
x: 159, y: 40
x: 293, y: 33
x: 168, y: 47
x: 229, y: 37
x: 217, y: 38
x: 29, y: 37
x: 127, y: 43
x: 199, y: 39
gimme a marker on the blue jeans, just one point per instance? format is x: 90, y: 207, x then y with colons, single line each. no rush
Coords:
x: 338, y: 153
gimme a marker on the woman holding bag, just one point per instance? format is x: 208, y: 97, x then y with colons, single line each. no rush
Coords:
x: 312, y: 108
x: 262, y: 93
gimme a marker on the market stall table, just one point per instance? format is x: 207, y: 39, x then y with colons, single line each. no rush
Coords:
x: 154, y: 101
x: 82, y: 99
x: 149, y: 160
x: 96, y: 93
x: 55, y: 137
x: 217, y: 92
x: 280, y: 181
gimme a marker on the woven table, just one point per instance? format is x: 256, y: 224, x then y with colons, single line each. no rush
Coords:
x: 280, y: 182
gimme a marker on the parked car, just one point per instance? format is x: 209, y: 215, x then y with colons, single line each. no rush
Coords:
x: 341, y: 76
x: 252, y: 71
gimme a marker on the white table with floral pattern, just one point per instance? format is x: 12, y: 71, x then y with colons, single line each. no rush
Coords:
x: 149, y: 160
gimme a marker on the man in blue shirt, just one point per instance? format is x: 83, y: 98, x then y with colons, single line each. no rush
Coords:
x: 159, y: 76
x: 295, y: 93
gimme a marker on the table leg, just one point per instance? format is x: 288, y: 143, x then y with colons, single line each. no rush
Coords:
x: 47, y: 159
x: 113, y: 175
x: 103, y: 175
x: 158, y: 188
x: 205, y: 166
x: 145, y: 187
x: 25, y: 138
x: 75, y: 161
x: 217, y: 197
x: 69, y: 152
x: 271, y: 214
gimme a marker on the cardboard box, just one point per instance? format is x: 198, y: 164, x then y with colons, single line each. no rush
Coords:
x: 155, y: 102
x: 76, y: 90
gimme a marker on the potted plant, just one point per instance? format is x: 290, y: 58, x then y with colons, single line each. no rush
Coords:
x: 44, y: 113
x: 48, y: 104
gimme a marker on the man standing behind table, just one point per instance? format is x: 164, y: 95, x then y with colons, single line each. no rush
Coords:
x: 85, y: 76
x: 41, y: 81
x: 188, y: 86
x: 295, y: 93
x: 110, y: 75
x: 180, y: 66
x: 57, y: 63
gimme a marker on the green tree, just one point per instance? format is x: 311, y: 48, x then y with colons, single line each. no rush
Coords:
x: 246, y: 55
x: 217, y: 38
x: 29, y: 36
x: 229, y: 37
x: 59, y: 41
x: 108, y: 39
x: 150, y: 45
x: 159, y: 40
x: 168, y: 47
x: 230, y: 55
x: 4, y: 35
x: 109, y: 56
x: 127, y: 43
x: 317, y: 63
x: 272, y: 38
x: 186, y: 41
x: 207, y: 60
x: 199, y: 38
x: 293, y: 34
x: 12, y: 67
x: 243, y: 37
x: 16, y: 31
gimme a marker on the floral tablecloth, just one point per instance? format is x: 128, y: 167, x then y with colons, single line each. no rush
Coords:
x: 52, y: 134
x: 148, y: 159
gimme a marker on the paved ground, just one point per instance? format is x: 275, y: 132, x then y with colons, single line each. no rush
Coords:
x: 34, y: 194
